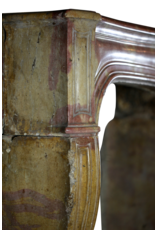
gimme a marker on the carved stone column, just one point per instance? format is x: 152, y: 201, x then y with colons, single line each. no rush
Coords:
x: 84, y: 153
x: 85, y: 182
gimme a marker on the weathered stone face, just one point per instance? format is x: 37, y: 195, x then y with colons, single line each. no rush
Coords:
x: 51, y: 179
x: 35, y: 182
x: 128, y: 171
x: 35, y: 88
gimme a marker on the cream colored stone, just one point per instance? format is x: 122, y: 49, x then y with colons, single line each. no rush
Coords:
x: 83, y: 14
x: 35, y: 177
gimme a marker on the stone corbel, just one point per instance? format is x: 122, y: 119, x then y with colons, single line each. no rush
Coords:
x: 100, y: 51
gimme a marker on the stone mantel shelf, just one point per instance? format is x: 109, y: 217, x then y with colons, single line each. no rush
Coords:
x: 56, y: 69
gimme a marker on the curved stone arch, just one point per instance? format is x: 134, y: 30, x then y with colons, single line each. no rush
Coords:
x: 114, y: 73
x: 126, y: 56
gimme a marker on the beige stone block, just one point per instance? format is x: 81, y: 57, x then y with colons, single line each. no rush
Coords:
x: 35, y: 79
x: 35, y: 182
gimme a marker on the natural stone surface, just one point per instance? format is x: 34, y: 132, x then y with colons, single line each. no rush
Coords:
x: 55, y: 73
x: 49, y: 183
x: 85, y: 181
x: 128, y: 172
x: 82, y: 14
x: 35, y: 80
x: 35, y: 183
x: 81, y: 67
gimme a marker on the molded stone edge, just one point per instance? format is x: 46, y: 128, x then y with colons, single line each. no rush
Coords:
x: 83, y: 14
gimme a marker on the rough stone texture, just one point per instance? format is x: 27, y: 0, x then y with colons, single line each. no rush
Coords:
x: 35, y: 183
x: 127, y: 155
x: 42, y: 189
x: 35, y: 78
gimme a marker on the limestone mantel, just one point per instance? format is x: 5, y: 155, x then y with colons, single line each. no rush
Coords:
x: 56, y: 69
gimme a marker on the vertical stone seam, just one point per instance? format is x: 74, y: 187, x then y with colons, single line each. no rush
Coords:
x: 97, y: 181
x: 70, y: 199
x: 88, y: 189
x: 3, y: 75
x: 78, y: 197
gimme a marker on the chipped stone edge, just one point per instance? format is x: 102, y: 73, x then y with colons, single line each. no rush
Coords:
x: 7, y: 138
x: 70, y: 199
x: 82, y: 14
